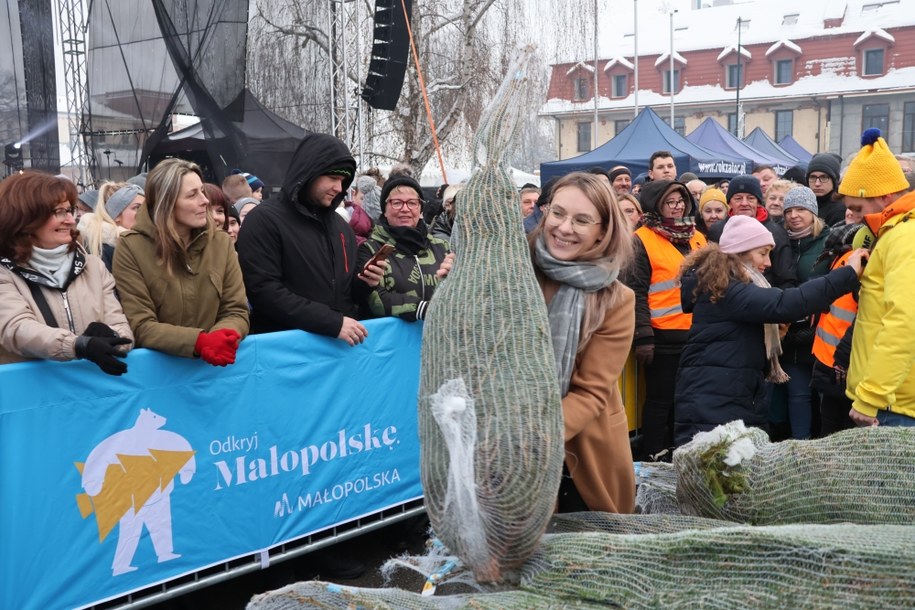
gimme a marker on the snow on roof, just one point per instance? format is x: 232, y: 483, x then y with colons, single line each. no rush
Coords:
x: 696, y: 28
x: 666, y: 57
x: 733, y: 49
x: 621, y: 61
x: 580, y: 64
x: 827, y: 84
x: 783, y: 43
x: 879, y: 33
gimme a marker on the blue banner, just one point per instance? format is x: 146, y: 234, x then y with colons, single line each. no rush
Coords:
x: 112, y: 484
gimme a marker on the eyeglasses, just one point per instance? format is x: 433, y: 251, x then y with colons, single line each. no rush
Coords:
x: 579, y: 221
x: 820, y: 179
x: 675, y: 203
x: 61, y: 213
x: 398, y: 204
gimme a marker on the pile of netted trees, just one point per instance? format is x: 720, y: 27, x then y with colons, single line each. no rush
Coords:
x: 798, y: 524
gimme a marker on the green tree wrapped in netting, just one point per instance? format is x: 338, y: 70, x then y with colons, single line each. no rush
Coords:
x: 490, y: 415
x: 865, y: 475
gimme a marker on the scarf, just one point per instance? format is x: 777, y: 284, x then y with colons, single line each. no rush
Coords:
x: 410, y: 240
x: 567, y: 309
x: 795, y: 235
x: 674, y: 230
x: 770, y: 332
x: 55, y: 263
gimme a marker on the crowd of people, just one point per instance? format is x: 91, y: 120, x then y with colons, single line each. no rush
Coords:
x: 744, y: 299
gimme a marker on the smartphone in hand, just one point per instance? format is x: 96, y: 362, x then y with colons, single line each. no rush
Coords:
x: 383, y: 253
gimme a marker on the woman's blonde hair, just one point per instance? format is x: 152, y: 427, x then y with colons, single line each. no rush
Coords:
x: 98, y: 227
x: 715, y: 270
x: 614, y: 249
x: 163, y: 187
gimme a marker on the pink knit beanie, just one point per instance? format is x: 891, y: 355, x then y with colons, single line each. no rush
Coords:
x: 742, y: 234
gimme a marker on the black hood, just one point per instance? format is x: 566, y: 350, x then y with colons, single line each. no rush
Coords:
x: 316, y: 155
x: 652, y: 192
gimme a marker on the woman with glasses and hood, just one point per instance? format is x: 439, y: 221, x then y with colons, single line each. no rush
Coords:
x: 419, y: 261
x: 56, y: 301
x: 177, y: 272
x: 667, y: 234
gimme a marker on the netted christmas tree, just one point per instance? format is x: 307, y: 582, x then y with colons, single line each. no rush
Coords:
x: 865, y: 475
x: 490, y: 415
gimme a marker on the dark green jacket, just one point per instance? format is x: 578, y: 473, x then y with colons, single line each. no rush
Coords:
x: 410, y: 280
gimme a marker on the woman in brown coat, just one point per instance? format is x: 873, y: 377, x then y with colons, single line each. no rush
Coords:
x: 578, y: 249
x: 177, y: 272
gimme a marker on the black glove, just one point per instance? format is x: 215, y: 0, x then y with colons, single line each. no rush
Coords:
x: 100, y: 329
x: 644, y: 354
x: 103, y: 351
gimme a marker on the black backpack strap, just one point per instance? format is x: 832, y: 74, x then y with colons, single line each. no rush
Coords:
x: 43, y: 306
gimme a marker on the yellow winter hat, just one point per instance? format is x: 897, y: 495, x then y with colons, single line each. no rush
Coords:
x: 874, y: 172
x: 712, y: 194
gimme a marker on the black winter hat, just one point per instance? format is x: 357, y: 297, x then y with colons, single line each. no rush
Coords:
x: 618, y: 172
x: 797, y: 173
x: 400, y: 180
x: 652, y: 193
x: 828, y: 163
x: 745, y: 184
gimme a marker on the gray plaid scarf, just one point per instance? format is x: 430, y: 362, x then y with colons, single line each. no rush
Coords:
x: 773, y: 342
x: 567, y: 308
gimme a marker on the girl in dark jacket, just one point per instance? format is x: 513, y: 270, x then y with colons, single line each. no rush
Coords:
x: 733, y: 344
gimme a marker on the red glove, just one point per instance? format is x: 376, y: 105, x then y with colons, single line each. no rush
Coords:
x: 218, y: 347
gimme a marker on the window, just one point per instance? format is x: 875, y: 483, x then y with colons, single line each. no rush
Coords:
x: 666, y: 85
x: 619, y: 126
x: 584, y: 137
x: 620, y: 85
x: 873, y: 62
x: 876, y: 115
x: 581, y: 89
x: 790, y: 19
x: 679, y: 124
x: 784, y: 71
x: 735, y: 76
x: 784, y: 124
x: 908, y: 127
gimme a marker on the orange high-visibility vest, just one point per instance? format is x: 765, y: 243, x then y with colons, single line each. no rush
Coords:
x: 832, y: 325
x: 664, y: 288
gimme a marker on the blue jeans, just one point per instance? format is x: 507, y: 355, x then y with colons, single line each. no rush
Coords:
x: 800, y: 407
x: 887, y: 418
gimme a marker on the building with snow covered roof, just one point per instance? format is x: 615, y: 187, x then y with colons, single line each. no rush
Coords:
x: 821, y: 71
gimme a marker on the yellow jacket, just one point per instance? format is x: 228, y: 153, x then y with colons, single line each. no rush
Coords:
x: 881, y: 374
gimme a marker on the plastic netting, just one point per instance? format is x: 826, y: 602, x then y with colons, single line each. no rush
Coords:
x: 492, y: 450
x: 334, y: 597
x: 865, y: 475
x: 791, y: 566
x: 656, y: 489
x: 611, y: 523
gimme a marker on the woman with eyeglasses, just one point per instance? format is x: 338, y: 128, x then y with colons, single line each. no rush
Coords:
x: 578, y: 250
x: 178, y: 273
x: 56, y: 301
x: 668, y: 233
x: 417, y: 264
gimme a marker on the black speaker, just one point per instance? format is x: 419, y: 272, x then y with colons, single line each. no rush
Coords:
x: 390, y: 53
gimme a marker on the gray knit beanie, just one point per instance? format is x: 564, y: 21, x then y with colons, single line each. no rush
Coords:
x: 801, y: 197
x: 121, y: 198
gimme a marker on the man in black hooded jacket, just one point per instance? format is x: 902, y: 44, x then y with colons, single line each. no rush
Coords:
x: 298, y: 256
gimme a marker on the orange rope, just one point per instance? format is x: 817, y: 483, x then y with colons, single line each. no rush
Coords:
x: 422, y: 87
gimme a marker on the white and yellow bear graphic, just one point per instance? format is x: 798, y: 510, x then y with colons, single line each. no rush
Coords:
x: 128, y: 479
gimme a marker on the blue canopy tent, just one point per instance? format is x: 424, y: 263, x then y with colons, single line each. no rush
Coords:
x: 712, y: 135
x: 761, y: 141
x: 634, y: 145
x: 791, y: 145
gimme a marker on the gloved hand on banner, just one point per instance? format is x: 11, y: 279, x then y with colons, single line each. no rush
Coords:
x: 218, y: 347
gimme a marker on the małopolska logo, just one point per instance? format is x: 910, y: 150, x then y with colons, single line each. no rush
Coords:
x: 128, y: 479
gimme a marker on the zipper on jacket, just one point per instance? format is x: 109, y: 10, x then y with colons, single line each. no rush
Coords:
x: 63, y: 293
x: 422, y: 280
x: 345, y: 259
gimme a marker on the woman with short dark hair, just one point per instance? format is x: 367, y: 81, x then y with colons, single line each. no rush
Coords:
x: 57, y: 302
